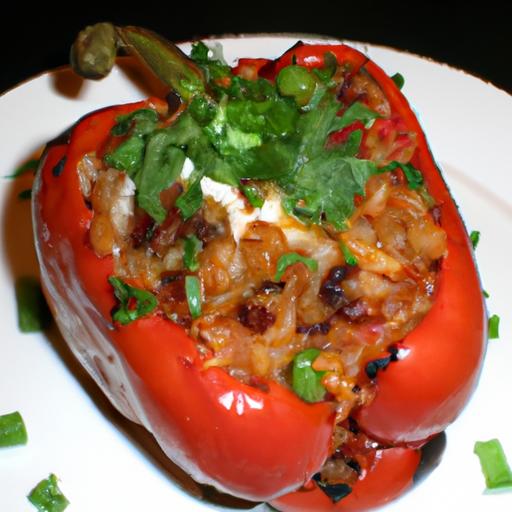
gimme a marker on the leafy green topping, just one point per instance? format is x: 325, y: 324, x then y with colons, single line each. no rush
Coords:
x: 290, y: 258
x: 162, y: 166
x: 12, y: 430
x: 214, y: 69
x: 33, y: 312
x: 191, y: 200
x: 134, y: 303
x: 485, y: 294
x: 143, y: 120
x: 128, y: 156
x: 475, y: 238
x: 193, y: 246
x: 357, y: 112
x: 412, y: 175
x: 494, y: 327
x: 398, y: 79
x: 324, y: 188
x: 493, y: 461
x: 47, y: 497
x: 306, y: 381
x: 350, y: 259
x: 193, y: 292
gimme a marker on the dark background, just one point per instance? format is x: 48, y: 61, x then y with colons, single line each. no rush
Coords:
x: 476, y: 37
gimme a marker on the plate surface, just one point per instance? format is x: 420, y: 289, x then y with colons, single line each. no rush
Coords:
x: 105, y: 463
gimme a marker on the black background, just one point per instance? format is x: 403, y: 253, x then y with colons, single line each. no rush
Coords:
x: 474, y: 36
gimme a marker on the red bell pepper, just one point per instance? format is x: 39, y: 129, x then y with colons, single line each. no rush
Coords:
x: 256, y: 443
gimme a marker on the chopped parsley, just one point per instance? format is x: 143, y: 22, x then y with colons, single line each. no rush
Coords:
x: 134, y: 303
x: 291, y: 258
x: 474, y: 236
x: 306, y: 381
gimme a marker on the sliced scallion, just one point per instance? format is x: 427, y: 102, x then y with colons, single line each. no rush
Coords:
x: 12, y: 430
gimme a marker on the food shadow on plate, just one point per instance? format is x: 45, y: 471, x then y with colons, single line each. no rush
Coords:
x: 20, y: 259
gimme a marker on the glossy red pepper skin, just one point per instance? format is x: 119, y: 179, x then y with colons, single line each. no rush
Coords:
x: 249, y: 442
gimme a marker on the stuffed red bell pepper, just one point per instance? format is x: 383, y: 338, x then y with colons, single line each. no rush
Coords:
x: 266, y: 270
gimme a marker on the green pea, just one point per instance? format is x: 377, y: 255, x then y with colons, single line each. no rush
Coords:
x: 297, y: 82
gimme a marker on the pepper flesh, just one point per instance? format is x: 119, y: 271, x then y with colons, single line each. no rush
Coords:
x: 249, y: 442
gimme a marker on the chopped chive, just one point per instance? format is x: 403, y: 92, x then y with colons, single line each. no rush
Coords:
x: 253, y: 195
x: 486, y: 294
x: 193, y: 247
x: 306, y: 381
x: 12, y: 430
x: 398, y: 79
x: 33, y: 312
x: 494, y: 327
x: 475, y: 238
x: 494, y: 464
x: 134, y: 303
x: 25, y: 194
x: 290, y: 258
x: 193, y: 292
x: 350, y: 259
x: 47, y: 497
x: 31, y: 165
x: 191, y: 200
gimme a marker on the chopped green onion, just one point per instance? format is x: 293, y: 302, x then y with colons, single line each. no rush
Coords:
x: 494, y: 327
x: 475, y: 238
x: 306, y: 381
x: 31, y: 165
x: 25, y: 194
x: 47, y: 497
x: 33, y: 312
x: 193, y: 247
x: 133, y: 302
x: 350, y: 259
x: 290, y: 258
x: 494, y: 464
x: 253, y: 195
x: 398, y: 79
x: 12, y: 430
x: 486, y: 294
x: 193, y: 291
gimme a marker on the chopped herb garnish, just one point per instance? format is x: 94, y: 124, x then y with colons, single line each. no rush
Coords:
x: 193, y: 247
x: 290, y: 258
x: 494, y: 327
x: 162, y: 166
x: 398, y: 79
x: 143, y: 121
x: 134, y: 303
x: 357, y: 112
x: 253, y: 195
x: 474, y: 236
x: 191, y: 200
x: 47, y: 497
x: 30, y: 166
x: 493, y: 461
x: 33, y: 312
x: 307, y: 382
x: 128, y: 156
x: 350, y: 259
x: 12, y: 430
x: 24, y: 195
x: 193, y: 292
x: 412, y: 175
x: 486, y: 294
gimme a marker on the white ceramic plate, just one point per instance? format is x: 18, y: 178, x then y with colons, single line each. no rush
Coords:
x: 107, y: 464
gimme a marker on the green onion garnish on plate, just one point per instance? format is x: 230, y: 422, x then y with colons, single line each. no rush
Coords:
x: 47, y: 497
x: 494, y: 465
x: 12, y: 430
